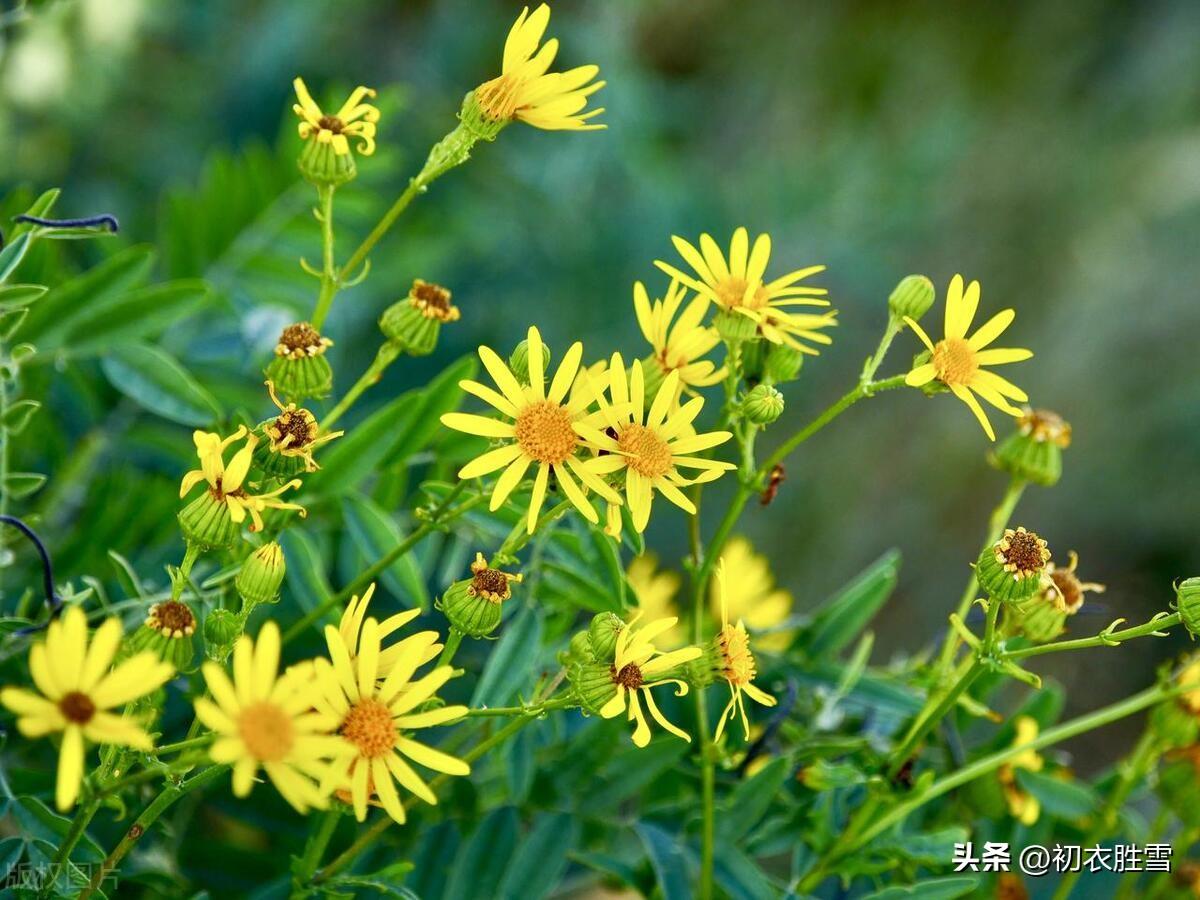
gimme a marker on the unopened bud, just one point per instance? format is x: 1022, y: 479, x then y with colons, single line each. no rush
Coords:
x: 912, y: 297
x: 763, y: 405
x: 602, y: 634
x: 261, y: 575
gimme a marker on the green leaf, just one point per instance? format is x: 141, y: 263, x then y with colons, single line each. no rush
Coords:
x: 375, y: 533
x: 840, y: 619
x: 39, y: 209
x: 931, y: 848
x: 158, y: 382
x: 95, y: 287
x: 751, y: 799
x: 930, y: 889
x: 481, y: 862
x: 541, y: 857
x: 22, y: 484
x: 666, y: 857
x: 17, y: 416
x: 440, y: 396
x: 740, y: 876
x: 141, y: 313
x: 10, y: 322
x: 15, y: 295
x: 12, y: 254
x: 1059, y: 797
x: 511, y: 664
x: 305, y: 569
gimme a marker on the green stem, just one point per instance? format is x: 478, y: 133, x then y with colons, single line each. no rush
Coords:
x: 439, y: 517
x: 329, y: 273
x: 996, y: 525
x: 359, y: 256
x: 190, y: 554
x: 708, y: 785
x: 1104, y: 639
x: 79, y: 824
x: 385, y: 356
x: 938, y: 704
x: 521, y: 535
x: 315, y: 848
x: 453, y: 640
x: 189, y: 744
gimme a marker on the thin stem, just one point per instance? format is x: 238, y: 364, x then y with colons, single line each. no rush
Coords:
x: 1107, y: 638
x: 385, y: 356
x: 315, y: 848
x: 329, y: 273
x: 936, y: 707
x: 359, y: 256
x: 453, y: 641
x: 79, y: 824
x: 708, y: 785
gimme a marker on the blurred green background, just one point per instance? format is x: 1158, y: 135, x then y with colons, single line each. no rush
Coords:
x: 1050, y: 150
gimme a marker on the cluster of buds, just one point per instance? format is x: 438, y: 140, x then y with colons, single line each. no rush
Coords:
x: 473, y: 605
x: 589, y: 661
x: 413, y: 324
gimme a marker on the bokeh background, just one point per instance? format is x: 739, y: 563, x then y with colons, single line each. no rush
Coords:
x: 1051, y: 150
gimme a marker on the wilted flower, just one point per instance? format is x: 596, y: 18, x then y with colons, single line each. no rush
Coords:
x: 292, y: 436
x: 1012, y: 568
x: 414, y: 322
x: 729, y: 657
x: 167, y: 633
x: 1034, y: 451
x: 473, y: 605
x: 300, y: 369
x: 327, y: 158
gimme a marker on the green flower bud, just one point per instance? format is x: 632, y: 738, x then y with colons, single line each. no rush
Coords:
x: 782, y: 363
x: 205, y: 523
x: 519, y: 361
x: 1011, y: 569
x: 321, y: 165
x: 602, y: 635
x: 167, y: 632
x: 261, y: 575
x: 1034, y: 451
x: 912, y: 297
x: 593, y: 684
x: 1037, y: 618
x: 221, y: 628
x: 1187, y: 602
x: 473, y: 605
x: 414, y: 322
x: 735, y: 328
x: 763, y: 405
x: 300, y: 369
x: 578, y: 652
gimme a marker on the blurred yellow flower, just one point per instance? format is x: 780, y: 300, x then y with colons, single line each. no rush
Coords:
x: 735, y: 663
x: 77, y: 692
x: 1023, y: 806
x: 355, y: 119
x: 527, y: 91
x: 544, y: 430
x: 374, y: 716
x: 655, y: 593
x: 736, y: 285
x: 639, y: 666
x: 649, y: 446
x: 265, y: 721
x: 678, y: 347
x: 957, y: 361
x: 750, y: 594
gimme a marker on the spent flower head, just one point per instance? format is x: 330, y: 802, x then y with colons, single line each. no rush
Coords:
x: 731, y: 658
x: 294, y: 434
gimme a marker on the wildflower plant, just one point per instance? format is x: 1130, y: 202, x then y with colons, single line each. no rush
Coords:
x: 432, y: 636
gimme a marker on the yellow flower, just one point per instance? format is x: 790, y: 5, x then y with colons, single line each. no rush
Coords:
x: 1022, y: 806
x: 374, y: 718
x: 650, y: 446
x: 424, y: 643
x: 226, y: 483
x: 526, y: 90
x: 736, y: 285
x: 736, y: 665
x: 263, y: 720
x: 678, y: 348
x: 294, y: 432
x: 655, y: 593
x: 751, y: 596
x: 957, y: 361
x: 544, y: 430
x: 78, y: 692
x: 354, y: 120
x: 637, y: 667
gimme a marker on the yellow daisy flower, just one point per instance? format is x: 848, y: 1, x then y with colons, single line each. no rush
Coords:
x: 226, y: 483
x: 957, y: 361
x: 736, y: 666
x: 1022, y: 806
x: 678, y: 347
x: 650, y: 446
x: 655, y: 593
x: 527, y: 91
x: 639, y: 666
x: 423, y: 643
x: 262, y: 720
x: 78, y: 693
x: 354, y: 120
x: 750, y: 594
x: 544, y: 430
x: 736, y: 285
x: 374, y: 718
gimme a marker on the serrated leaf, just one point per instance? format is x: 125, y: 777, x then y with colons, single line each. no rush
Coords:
x: 838, y: 622
x: 667, y: 859
x: 541, y: 857
x: 375, y: 533
x: 155, y: 380
x: 17, y: 416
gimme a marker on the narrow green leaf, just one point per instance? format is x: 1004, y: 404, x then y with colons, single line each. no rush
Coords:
x: 22, y: 484
x: 10, y: 321
x: 541, y: 858
x: 15, y: 295
x: 137, y: 314
x: 95, y: 287
x: 930, y: 889
x: 1059, y: 797
x: 12, y: 254
x: 375, y: 533
x: 305, y: 577
x: 666, y: 857
x: 740, y: 877
x: 481, y: 862
x: 510, y: 665
x: 440, y: 396
x: 158, y: 382
x: 751, y: 799
x: 839, y: 621
x: 17, y: 416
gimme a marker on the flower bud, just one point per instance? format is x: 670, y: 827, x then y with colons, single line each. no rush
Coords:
x: 782, y: 364
x: 300, y: 369
x: 261, y: 575
x: 734, y: 327
x: 519, y: 361
x: 578, y: 652
x: 1034, y: 451
x: 321, y: 165
x: 414, y: 322
x: 167, y: 632
x: 763, y: 405
x: 221, y: 628
x: 1037, y: 618
x: 602, y: 635
x: 205, y: 523
x: 1011, y: 569
x: 1187, y: 603
x: 473, y: 605
x: 912, y: 297
x: 593, y: 684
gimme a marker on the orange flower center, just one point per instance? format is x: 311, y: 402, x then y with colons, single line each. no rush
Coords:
x: 735, y: 652
x: 267, y: 731
x: 731, y: 292
x: 954, y: 361
x: 77, y: 707
x: 369, y: 727
x: 646, y: 453
x: 544, y: 432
